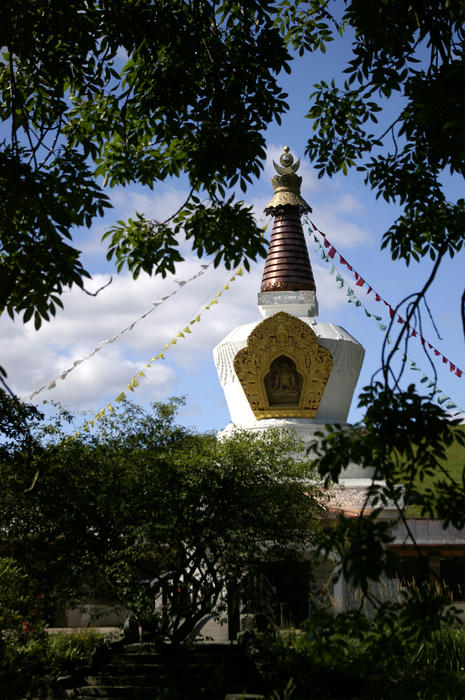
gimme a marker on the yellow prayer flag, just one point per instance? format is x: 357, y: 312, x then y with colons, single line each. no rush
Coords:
x: 226, y: 286
x: 240, y: 272
x: 121, y: 396
x: 110, y: 408
x: 187, y: 330
x: 180, y: 335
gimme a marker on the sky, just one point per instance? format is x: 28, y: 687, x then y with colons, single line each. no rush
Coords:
x: 343, y: 208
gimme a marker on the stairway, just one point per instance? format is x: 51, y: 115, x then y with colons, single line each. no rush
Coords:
x: 136, y: 672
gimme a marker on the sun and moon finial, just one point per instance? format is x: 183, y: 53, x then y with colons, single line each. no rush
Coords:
x: 286, y: 186
x: 287, y: 167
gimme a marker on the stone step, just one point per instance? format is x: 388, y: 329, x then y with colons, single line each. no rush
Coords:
x: 137, y: 672
x: 151, y: 692
x: 125, y: 691
x: 148, y: 667
x: 105, y: 679
x: 173, y: 672
x: 214, y: 657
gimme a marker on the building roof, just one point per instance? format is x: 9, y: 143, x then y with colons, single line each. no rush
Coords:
x: 429, y: 533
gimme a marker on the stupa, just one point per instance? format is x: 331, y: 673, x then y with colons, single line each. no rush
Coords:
x: 288, y: 369
x: 291, y: 371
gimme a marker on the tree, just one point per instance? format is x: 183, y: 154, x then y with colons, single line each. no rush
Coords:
x: 417, y: 51
x: 149, y: 515
x: 147, y: 92
x: 94, y: 94
x: 204, y: 73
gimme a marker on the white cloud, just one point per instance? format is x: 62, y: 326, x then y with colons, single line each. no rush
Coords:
x: 32, y: 358
x: 348, y: 204
x: 157, y: 205
x: 96, y: 382
x: 340, y: 230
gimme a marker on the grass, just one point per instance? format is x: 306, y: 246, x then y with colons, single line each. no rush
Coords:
x: 454, y: 463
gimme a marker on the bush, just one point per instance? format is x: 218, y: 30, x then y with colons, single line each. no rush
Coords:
x: 445, y: 651
x: 29, y: 663
x: 370, y: 660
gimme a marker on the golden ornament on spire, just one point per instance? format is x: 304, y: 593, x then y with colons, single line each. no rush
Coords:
x: 286, y: 186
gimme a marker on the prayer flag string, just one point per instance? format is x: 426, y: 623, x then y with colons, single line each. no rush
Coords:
x: 134, y: 383
x: 361, y: 282
x: 439, y: 396
x: 158, y: 302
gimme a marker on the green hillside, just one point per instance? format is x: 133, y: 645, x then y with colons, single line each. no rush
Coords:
x: 455, y: 465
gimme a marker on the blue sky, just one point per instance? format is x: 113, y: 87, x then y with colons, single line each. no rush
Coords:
x: 343, y: 207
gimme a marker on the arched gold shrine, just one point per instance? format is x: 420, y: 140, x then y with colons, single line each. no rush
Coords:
x: 283, y: 370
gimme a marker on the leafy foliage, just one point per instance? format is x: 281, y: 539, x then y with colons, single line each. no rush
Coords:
x: 15, y: 601
x: 351, y: 655
x: 405, y: 437
x: 417, y: 51
x: 142, y: 94
x: 93, y: 94
x: 16, y: 422
x: 28, y: 663
x: 155, y: 517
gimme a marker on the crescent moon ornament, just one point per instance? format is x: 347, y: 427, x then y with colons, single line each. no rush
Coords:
x: 287, y: 167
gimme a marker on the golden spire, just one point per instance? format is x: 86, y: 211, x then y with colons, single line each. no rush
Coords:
x: 287, y: 266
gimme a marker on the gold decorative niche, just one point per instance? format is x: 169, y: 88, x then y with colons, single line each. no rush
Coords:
x: 283, y: 370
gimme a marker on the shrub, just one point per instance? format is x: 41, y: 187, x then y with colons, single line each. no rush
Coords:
x: 30, y: 662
